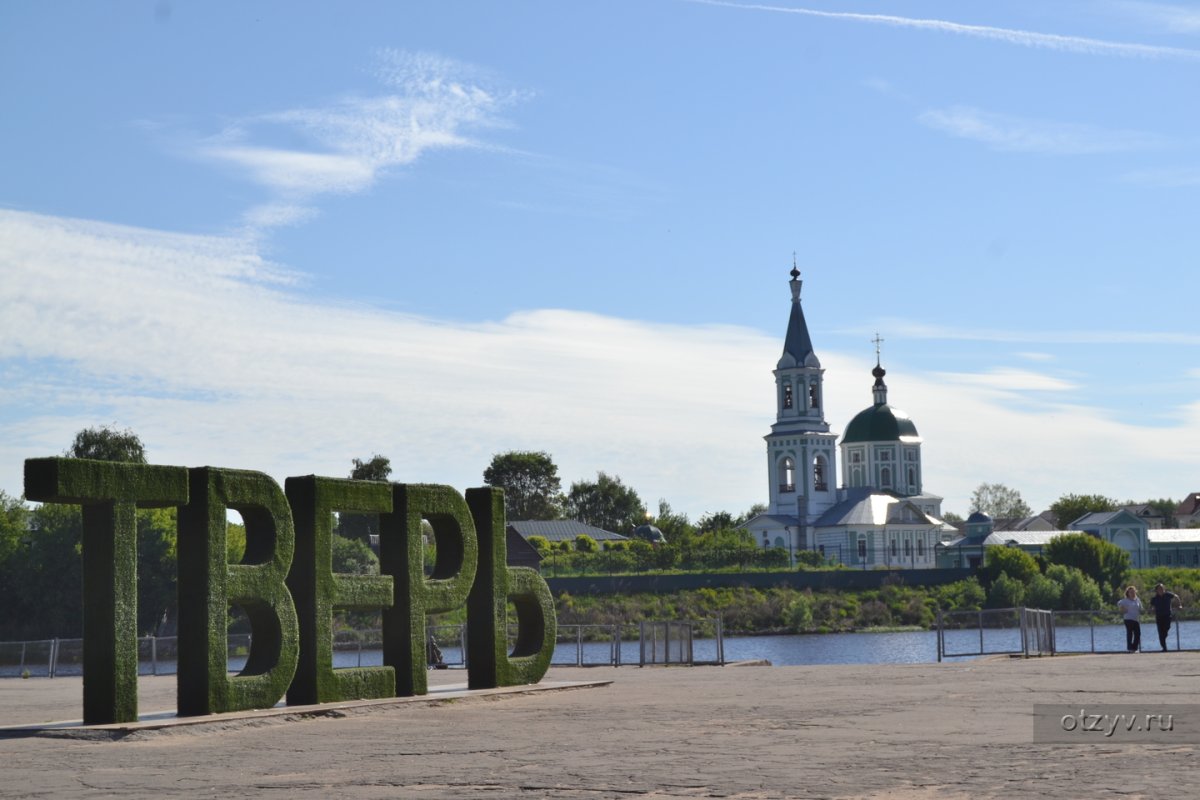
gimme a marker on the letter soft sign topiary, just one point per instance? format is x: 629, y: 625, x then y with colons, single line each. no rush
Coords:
x: 286, y: 585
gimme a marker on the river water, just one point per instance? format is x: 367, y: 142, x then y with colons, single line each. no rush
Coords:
x: 904, y: 647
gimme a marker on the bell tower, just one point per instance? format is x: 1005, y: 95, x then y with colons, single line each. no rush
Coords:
x: 801, y: 452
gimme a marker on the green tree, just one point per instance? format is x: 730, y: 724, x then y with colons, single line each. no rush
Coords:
x: 541, y: 544
x: 1071, y: 507
x: 999, y: 502
x: 1006, y: 592
x: 530, y: 482
x: 361, y: 527
x: 1011, y: 561
x: 1101, y: 561
x: 1079, y: 592
x: 606, y: 503
x: 675, y: 527
x: 108, y: 444
x: 376, y: 468
x: 586, y: 544
x: 716, y: 521
x: 1043, y: 592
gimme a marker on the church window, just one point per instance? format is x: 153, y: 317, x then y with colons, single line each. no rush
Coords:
x: 885, y: 455
x: 856, y: 478
x: 912, y: 477
x: 856, y: 457
x: 907, y: 548
x: 892, y: 549
x: 787, y: 395
x: 862, y: 548
x: 885, y: 478
x: 819, y: 483
x: 779, y: 541
x: 813, y: 401
x: 921, y: 547
x: 787, y: 476
x: 910, y: 455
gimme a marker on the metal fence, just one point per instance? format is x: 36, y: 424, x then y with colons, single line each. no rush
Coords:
x: 446, y: 647
x: 995, y: 631
x: 1028, y: 632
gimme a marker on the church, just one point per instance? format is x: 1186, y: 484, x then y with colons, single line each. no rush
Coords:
x: 880, y: 517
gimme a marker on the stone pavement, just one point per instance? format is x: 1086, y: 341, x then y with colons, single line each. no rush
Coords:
x: 954, y: 730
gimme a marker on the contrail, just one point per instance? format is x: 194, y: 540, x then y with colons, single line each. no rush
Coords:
x: 1048, y: 41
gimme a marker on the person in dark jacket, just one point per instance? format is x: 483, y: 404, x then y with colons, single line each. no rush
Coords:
x: 1164, y: 604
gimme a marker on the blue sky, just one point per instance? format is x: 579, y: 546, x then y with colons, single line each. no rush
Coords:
x: 279, y: 236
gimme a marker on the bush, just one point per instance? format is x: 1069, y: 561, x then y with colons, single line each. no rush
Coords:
x: 1104, y: 563
x: 1043, y: 592
x: 1010, y: 561
x: 586, y: 544
x: 1006, y: 592
x: 1079, y: 592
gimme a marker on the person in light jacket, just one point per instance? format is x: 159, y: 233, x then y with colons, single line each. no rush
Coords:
x: 1131, y: 609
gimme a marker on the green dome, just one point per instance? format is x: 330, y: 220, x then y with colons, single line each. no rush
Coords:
x: 881, y: 423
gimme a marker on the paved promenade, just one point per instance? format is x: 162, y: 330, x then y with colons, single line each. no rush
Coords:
x: 947, y: 731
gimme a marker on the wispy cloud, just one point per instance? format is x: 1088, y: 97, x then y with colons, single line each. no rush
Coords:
x: 1047, y: 41
x: 1015, y: 134
x: 199, y: 345
x: 1011, y: 380
x: 924, y: 330
x: 430, y: 103
x: 1173, y: 18
x: 1180, y: 177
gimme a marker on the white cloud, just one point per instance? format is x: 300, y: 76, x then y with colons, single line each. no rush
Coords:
x: 1181, y: 177
x: 925, y: 330
x: 1047, y: 41
x: 194, y: 343
x: 1029, y: 356
x: 1010, y: 380
x: 353, y: 141
x: 1177, y: 19
x: 1007, y: 133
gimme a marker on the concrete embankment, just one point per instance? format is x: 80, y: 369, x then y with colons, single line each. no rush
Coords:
x: 953, y: 730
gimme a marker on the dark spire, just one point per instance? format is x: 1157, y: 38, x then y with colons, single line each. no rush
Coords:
x: 797, y: 346
x: 880, y: 388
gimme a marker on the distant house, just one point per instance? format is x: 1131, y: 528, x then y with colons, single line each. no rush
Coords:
x: 1148, y: 513
x: 1042, y: 522
x: 1147, y: 547
x: 562, y: 530
x: 1187, y: 514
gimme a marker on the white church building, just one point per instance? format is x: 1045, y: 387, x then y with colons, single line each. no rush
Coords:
x: 880, y: 516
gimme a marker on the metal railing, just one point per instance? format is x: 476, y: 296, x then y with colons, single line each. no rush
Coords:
x: 576, y: 645
x: 994, y: 631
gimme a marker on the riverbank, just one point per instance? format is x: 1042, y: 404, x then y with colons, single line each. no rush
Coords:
x: 917, y: 731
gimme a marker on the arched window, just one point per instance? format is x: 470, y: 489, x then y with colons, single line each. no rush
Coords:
x: 862, y: 548
x: 779, y: 541
x: 819, y: 482
x: 787, y: 475
x: 885, y: 478
x: 813, y: 400
x: 787, y: 395
x: 907, y: 548
x: 856, y: 476
x: 921, y: 547
x: 912, y: 477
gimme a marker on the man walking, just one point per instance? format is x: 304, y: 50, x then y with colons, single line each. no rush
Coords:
x: 1164, y: 602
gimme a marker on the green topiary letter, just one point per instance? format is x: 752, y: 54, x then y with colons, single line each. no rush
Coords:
x: 490, y: 665
x: 402, y: 555
x: 110, y: 493
x: 317, y: 589
x: 208, y: 586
